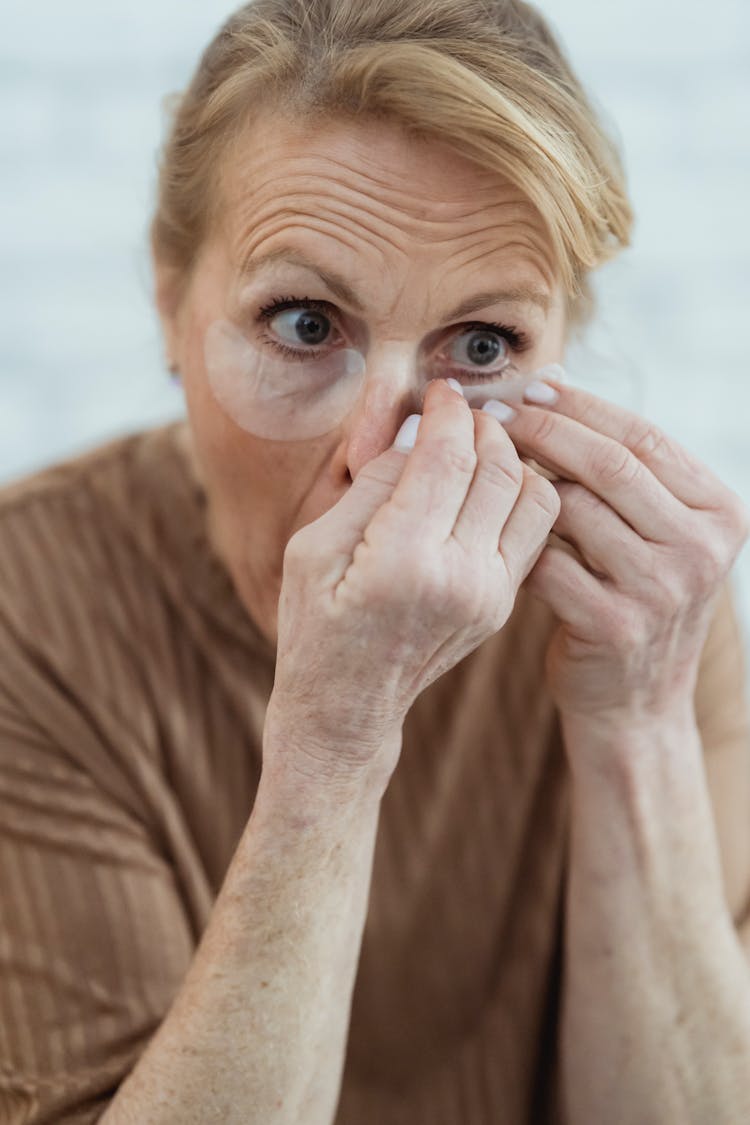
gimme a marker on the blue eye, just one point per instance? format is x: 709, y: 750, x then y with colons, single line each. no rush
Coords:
x: 483, y: 348
x: 305, y: 326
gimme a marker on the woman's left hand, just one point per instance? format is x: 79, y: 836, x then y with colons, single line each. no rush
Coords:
x: 655, y: 535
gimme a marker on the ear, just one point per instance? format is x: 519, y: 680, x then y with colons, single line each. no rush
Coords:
x: 167, y: 292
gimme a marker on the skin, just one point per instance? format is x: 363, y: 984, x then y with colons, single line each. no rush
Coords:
x: 346, y: 198
x: 656, y: 1007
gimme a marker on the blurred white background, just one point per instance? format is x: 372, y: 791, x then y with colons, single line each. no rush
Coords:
x: 81, y: 120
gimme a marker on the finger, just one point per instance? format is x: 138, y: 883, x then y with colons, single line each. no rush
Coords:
x: 608, y: 546
x: 343, y: 526
x: 603, y: 465
x: 687, y: 478
x: 439, y: 469
x: 527, y: 527
x: 497, y: 482
x: 574, y: 595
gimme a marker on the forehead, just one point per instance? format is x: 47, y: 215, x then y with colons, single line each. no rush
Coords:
x: 371, y: 190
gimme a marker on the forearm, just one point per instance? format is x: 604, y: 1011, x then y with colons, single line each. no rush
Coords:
x: 656, y: 1011
x: 257, y: 1032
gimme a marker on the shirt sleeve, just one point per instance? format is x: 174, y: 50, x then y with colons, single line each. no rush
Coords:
x: 94, y: 938
x: 721, y: 712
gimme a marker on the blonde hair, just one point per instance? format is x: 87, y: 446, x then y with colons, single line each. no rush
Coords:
x: 485, y: 77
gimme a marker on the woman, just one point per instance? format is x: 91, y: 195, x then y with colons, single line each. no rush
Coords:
x: 496, y: 867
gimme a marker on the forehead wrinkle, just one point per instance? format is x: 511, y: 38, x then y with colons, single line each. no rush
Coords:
x: 320, y: 173
x: 357, y: 237
x: 420, y: 208
x: 397, y: 213
x: 492, y: 225
x: 371, y: 226
x: 505, y: 255
x: 366, y: 236
x: 538, y: 258
x: 387, y: 183
x: 261, y: 236
x: 384, y: 243
x: 374, y: 221
x: 354, y: 241
x: 480, y: 250
x: 352, y: 173
x: 314, y: 186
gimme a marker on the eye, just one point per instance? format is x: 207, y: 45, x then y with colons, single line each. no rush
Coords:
x: 301, y: 327
x: 483, y: 347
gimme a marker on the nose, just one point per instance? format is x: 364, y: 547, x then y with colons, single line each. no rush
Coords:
x: 389, y: 394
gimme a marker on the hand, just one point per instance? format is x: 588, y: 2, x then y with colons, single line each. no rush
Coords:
x: 409, y: 572
x: 653, y: 535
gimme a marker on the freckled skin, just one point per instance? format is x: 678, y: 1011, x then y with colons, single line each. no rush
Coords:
x: 414, y: 229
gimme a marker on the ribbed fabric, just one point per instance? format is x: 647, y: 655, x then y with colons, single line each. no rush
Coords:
x: 133, y: 688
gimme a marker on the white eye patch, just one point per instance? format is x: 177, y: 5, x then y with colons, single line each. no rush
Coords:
x: 279, y: 397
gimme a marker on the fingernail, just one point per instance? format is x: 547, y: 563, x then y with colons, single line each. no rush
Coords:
x: 407, y: 435
x: 554, y: 371
x: 541, y: 393
x: 499, y: 410
x: 456, y: 386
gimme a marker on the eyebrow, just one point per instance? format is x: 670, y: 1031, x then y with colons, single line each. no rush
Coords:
x: 518, y: 295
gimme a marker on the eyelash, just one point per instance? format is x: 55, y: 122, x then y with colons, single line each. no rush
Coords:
x: 518, y: 340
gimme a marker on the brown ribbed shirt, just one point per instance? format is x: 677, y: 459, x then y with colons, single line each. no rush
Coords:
x: 133, y: 688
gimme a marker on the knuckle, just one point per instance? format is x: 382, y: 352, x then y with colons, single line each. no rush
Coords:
x: 501, y: 469
x: 626, y: 629
x: 668, y: 594
x: 497, y: 459
x: 544, y: 426
x: 702, y: 565
x: 709, y: 566
x: 455, y: 459
x: 644, y: 439
x: 423, y: 580
x: 611, y: 463
x: 383, y: 470
x: 419, y: 578
x: 546, y: 497
x: 577, y: 497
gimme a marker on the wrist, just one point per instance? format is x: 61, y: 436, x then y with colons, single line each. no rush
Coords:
x: 291, y: 811
x: 627, y: 726
x: 322, y: 769
x: 620, y: 749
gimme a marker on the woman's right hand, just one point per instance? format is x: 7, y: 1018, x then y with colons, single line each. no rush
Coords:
x: 408, y: 573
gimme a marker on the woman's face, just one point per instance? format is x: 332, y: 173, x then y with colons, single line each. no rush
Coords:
x: 396, y: 235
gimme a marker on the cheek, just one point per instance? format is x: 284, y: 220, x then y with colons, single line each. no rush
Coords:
x: 250, y: 480
x: 249, y: 465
